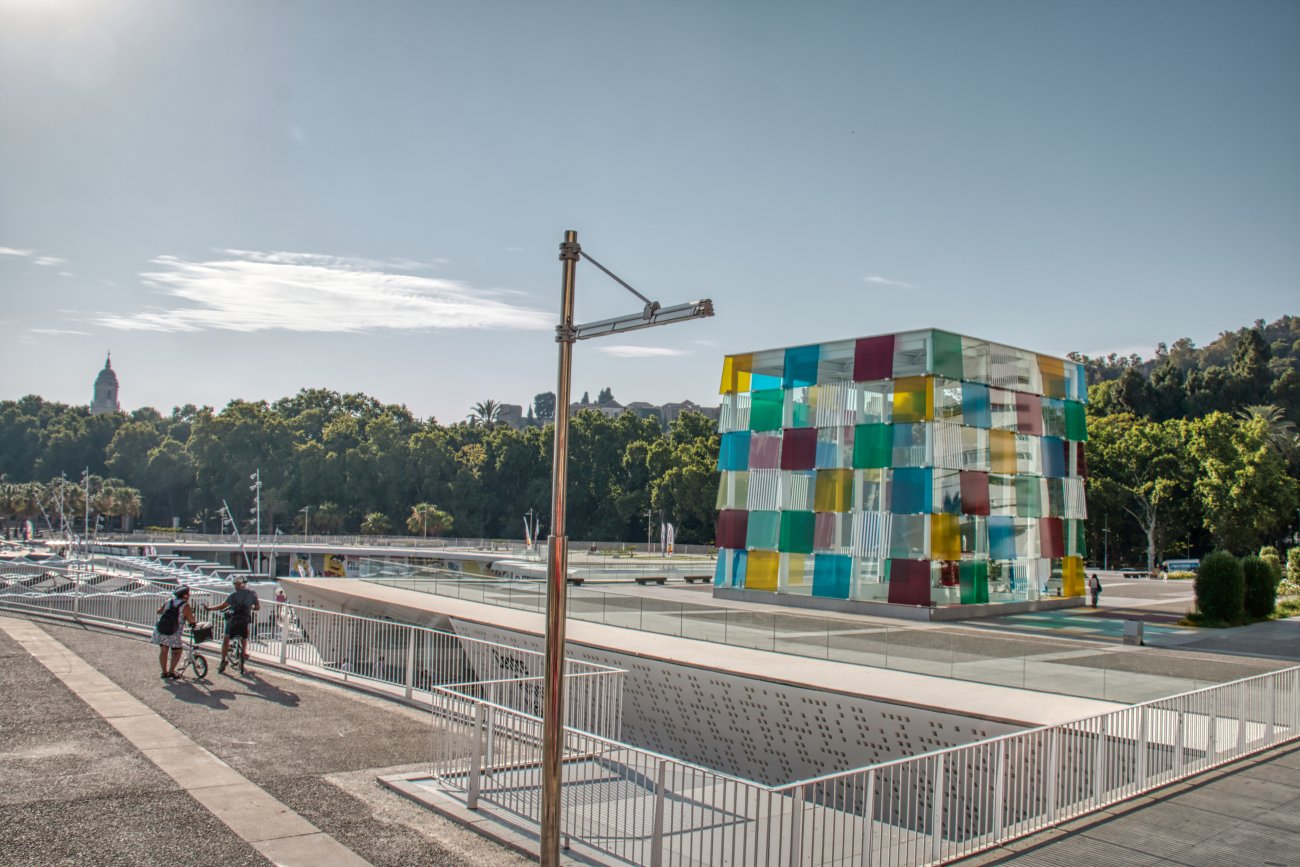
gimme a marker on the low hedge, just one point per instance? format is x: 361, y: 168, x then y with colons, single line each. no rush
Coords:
x: 1260, y: 596
x: 1221, y: 587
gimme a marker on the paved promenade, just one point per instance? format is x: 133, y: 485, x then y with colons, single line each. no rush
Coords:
x: 105, y: 763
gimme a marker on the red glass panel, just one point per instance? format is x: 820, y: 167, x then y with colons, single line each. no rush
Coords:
x: 799, y: 448
x: 733, y: 524
x: 873, y: 358
x: 909, y: 582
x: 1051, y: 536
x: 1029, y: 414
x: 974, y: 493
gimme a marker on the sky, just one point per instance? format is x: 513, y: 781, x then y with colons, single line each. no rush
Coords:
x: 240, y: 199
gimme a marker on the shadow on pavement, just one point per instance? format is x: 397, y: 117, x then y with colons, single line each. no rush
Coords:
x: 205, y: 692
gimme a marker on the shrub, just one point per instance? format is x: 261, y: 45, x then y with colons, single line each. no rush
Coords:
x: 1270, y: 556
x: 1181, y: 576
x: 1293, y: 564
x: 1221, y: 587
x: 1260, y: 597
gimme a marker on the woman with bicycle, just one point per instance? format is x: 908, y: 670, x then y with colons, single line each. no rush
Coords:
x: 179, y: 609
x: 241, y: 604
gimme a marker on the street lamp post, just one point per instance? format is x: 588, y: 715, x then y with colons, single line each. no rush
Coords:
x: 256, y: 487
x: 306, y: 520
x: 566, y: 334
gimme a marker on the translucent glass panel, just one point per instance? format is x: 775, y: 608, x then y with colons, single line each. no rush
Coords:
x: 876, y: 402
x: 974, y: 536
x: 909, y: 537
x: 870, y: 533
x: 797, y: 532
x: 837, y: 404
x: 796, y: 574
x: 975, y: 406
x: 798, y: 491
x: 948, y: 404
x: 975, y: 453
x: 874, y: 358
x: 911, y: 491
x: 733, y: 491
x: 913, y: 399
x: 975, y: 360
x: 800, y: 366
x: 1052, y: 371
x: 974, y: 578
x: 799, y: 449
x: 1054, y: 453
x: 768, y: 369
x: 1076, y: 385
x: 1002, y: 452
x: 800, y: 407
x: 1029, y: 499
x: 947, y: 492
x: 1051, y: 537
x: 767, y: 409
x: 1002, y: 409
x: 1002, y: 538
x: 730, y: 571
x: 1002, y: 495
x: 831, y: 573
x: 765, y: 451
x: 1053, y: 417
x: 947, y: 355
x: 835, y: 448
x: 871, y: 490
x: 1054, y: 498
x: 762, y: 570
x: 1076, y: 541
x: 911, y: 354
x: 765, y: 489
x: 1029, y: 454
x: 834, y: 491
x: 1026, y: 534
x: 764, y: 530
x: 1072, y: 580
x: 1029, y: 414
x: 911, y: 445
x: 873, y: 446
x: 835, y: 363
x: 734, y: 412
x: 833, y: 532
x: 974, y: 493
x: 871, y: 579
x: 909, y: 582
x: 733, y: 451
x: 735, y: 373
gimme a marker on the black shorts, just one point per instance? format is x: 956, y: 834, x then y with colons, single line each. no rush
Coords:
x: 237, y: 629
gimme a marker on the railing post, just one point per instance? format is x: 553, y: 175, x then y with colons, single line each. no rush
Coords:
x: 657, y: 833
x: 1053, y: 750
x: 410, y: 661
x: 491, y: 726
x: 1241, y: 718
x: 1270, y: 707
x: 1142, y: 749
x: 869, y: 825
x: 476, y: 759
x: 1179, y: 726
x: 796, y: 825
x: 1212, y: 731
x: 283, y: 614
x: 1099, y: 773
x: 999, y: 788
x: 936, y: 810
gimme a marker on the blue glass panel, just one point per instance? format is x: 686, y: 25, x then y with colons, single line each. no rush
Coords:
x: 761, y: 382
x: 912, y: 492
x: 831, y: 576
x: 801, y: 366
x: 720, y: 572
x: 975, y: 405
x: 738, y: 561
x: 1002, y: 538
x: 733, y: 454
x: 1054, y: 457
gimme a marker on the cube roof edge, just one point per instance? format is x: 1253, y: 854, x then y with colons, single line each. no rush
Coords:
x: 894, y: 334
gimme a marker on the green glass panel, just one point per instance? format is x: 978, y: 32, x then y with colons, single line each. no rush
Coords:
x: 1029, y: 498
x: 974, y: 582
x: 1076, y: 423
x: 947, y: 355
x: 762, y: 530
x: 766, y: 409
x: 873, y: 446
x: 796, y: 532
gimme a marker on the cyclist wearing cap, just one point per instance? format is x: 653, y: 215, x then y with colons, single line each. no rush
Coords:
x: 241, y: 604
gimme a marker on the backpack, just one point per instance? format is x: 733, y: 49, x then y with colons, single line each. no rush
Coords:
x: 170, y: 620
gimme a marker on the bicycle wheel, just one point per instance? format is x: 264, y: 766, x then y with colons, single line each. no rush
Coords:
x: 200, y: 667
x: 242, y: 655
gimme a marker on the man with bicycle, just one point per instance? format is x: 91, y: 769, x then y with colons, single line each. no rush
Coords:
x: 241, y: 604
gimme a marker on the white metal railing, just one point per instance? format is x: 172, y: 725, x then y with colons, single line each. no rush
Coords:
x: 646, y: 808
x: 407, y: 659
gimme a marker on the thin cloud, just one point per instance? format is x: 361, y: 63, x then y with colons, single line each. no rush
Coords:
x: 20, y: 253
x: 14, y: 251
x: 57, y: 331
x: 885, y: 281
x: 259, y: 291
x: 621, y: 351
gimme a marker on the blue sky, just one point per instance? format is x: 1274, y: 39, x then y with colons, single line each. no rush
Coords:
x: 241, y: 199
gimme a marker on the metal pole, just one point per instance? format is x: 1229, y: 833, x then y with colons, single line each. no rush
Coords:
x: 557, y: 568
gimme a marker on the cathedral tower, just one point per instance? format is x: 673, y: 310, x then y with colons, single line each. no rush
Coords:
x: 105, y: 390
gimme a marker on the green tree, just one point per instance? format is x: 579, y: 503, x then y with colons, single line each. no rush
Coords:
x: 1221, y: 587
x: 426, y: 518
x: 544, y: 404
x: 376, y: 524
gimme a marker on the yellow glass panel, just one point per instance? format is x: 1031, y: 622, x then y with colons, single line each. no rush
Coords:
x: 762, y: 569
x: 1072, y: 576
x: 735, y: 373
x: 945, y: 537
x: 913, y: 399
x: 834, y: 491
x: 1002, y: 450
x: 1053, y: 371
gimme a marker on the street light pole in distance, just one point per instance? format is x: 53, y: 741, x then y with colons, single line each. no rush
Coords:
x: 566, y: 334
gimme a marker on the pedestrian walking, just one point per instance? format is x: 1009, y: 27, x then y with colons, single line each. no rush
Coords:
x: 1094, y: 588
x: 169, y: 631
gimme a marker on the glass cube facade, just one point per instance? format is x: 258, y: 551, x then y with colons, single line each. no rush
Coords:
x: 920, y: 468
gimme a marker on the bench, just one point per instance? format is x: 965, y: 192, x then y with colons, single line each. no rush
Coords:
x: 646, y: 580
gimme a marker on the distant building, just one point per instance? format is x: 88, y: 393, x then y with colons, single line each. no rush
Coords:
x: 511, y: 414
x: 667, y: 413
x: 105, y: 399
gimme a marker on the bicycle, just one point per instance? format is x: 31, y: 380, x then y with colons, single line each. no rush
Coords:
x: 199, y: 633
x: 236, y: 652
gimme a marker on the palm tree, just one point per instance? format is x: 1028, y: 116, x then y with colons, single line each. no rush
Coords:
x: 1280, y: 431
x: 328, y: 518
x: 426, y: 517
x: 376, y: 524
x: 486, y: 412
